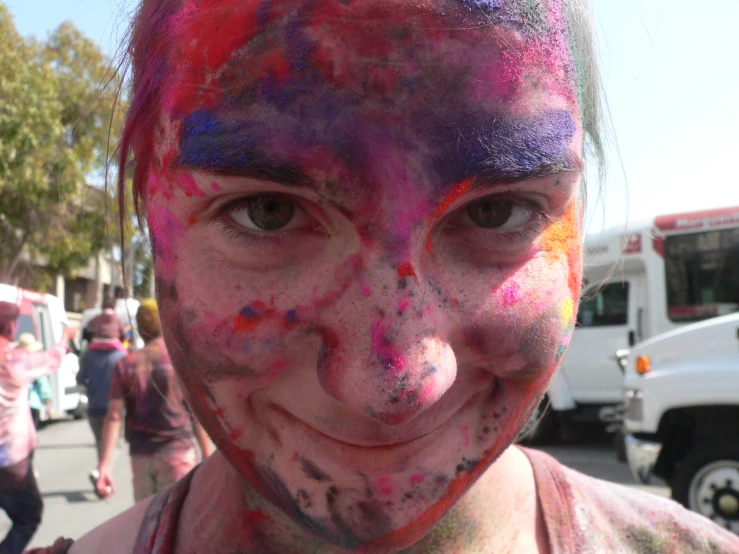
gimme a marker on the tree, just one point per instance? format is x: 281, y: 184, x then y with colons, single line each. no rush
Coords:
x: 55, y: 104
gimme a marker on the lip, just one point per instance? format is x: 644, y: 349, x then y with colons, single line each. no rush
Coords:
x: 390, y: 457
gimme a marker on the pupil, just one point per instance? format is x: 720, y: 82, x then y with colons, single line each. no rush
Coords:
x: 270, y: 213
x: 490, y: 213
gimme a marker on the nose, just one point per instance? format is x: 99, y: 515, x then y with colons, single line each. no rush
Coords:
x: 393, y: 367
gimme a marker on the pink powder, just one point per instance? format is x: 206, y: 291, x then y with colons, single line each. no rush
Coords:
x: 189, y: 187
x: 384, y: 485
x: 511, y: 294
x: 402, y: 306
x: 465, y: 430
x: 214, y: 186
x: 418, y: 478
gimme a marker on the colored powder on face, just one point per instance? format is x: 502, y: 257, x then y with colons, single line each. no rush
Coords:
x: 291, y: 318
x: 206, y: 34
x: 511, y: 294
x: 390, y: 357
x: 252, y: 316
x: 189, y: 186
x: 452, y: 196
x: 215, y: 187
x: 165, y: 230
x: 566, y: 311
x: 157, y: 186
x: 255, y: 517
x: 484, y: 5
x: 465, y: 430
x: 402, y: 306
x: 384, y: 485
x: 502, y: 148
x: 417, y: 478
x: 406, y: 270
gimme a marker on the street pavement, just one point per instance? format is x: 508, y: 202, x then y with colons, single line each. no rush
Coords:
x: 66, y: 454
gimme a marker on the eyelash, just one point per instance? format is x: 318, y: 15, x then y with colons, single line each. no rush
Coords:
x: 528, y: 232
x: 232, y: 230
x: 539, y: 220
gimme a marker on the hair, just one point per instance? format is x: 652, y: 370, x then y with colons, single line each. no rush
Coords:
x: 147, y: 320
x: 148, y: 49
x: 9, y: 313
x: 109, y: 303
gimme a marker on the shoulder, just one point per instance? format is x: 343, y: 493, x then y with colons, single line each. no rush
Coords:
x: 607, y: 517
x: 117, y: 536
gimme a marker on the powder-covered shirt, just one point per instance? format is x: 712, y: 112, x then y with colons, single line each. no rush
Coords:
x: 96, y: 372
x: 157, y: 417
x: 18, y: 369
x: 588, y: 515
x: 583, y: 515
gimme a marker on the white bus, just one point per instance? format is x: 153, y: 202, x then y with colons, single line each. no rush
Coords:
x: 674, y: 270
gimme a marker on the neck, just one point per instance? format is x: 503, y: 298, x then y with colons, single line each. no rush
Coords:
x: 500, y: 510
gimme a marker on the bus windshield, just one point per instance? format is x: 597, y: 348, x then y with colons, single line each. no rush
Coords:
x: 702, y: 272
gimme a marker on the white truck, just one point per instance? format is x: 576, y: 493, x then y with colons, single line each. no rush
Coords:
x: 682, y: 416
x: 674, y: 270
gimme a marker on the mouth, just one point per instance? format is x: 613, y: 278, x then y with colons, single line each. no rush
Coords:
x: 379, y: 455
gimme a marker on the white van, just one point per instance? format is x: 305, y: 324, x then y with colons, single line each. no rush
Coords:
x: 43, y: 316
x: 674, y: 270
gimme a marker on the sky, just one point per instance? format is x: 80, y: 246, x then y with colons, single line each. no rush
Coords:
x: 670, y: 77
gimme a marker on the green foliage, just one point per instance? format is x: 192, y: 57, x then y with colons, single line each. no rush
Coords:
x: 56, y: 98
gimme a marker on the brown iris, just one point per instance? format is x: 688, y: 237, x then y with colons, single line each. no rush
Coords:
x: 270, y: 212
x: 490, y: 212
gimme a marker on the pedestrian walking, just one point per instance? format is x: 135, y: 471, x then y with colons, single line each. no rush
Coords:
x: 159, y: 426
x: 19, y: 367
x: 96, y: 369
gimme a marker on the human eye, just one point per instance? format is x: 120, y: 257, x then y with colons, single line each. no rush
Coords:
x: 265, y: 214
x: 502, y: 217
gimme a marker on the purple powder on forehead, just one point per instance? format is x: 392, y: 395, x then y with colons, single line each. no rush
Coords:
x: 484, y: 5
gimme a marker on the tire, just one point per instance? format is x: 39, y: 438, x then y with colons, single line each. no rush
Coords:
x: 707, y: 482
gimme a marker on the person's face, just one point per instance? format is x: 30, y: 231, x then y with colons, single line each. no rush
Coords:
x: 366, y: 228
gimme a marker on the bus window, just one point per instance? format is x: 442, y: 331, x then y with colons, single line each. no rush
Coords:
x: 609, y: 306
x: 702, y: 272
x: 25, y: 325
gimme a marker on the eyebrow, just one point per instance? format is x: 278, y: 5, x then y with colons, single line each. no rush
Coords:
x: 208, y: 144
x: 494, y: 151
x: 502, y: 150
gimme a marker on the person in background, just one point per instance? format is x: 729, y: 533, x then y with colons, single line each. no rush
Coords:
x: 96, y: 369
x: 19, y: 367
x: 106, y: 327
x: 159, y: 426
x: 39, y: 398
x: 39, y: 394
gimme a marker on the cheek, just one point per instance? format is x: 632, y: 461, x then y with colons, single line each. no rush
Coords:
x: 521, y: 328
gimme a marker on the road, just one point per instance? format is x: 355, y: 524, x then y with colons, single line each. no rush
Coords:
x: 66, y: 454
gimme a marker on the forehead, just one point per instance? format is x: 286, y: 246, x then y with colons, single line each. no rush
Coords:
x: 237, y: 48
x: 468, y: 82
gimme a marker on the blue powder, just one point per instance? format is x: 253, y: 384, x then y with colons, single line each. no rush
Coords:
x: 484, y: 5
x: 291, y: 316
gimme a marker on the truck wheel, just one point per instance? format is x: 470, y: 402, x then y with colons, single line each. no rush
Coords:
x: 707, y: 482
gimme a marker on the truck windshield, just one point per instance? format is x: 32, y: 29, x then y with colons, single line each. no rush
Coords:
x: 702, y: 272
